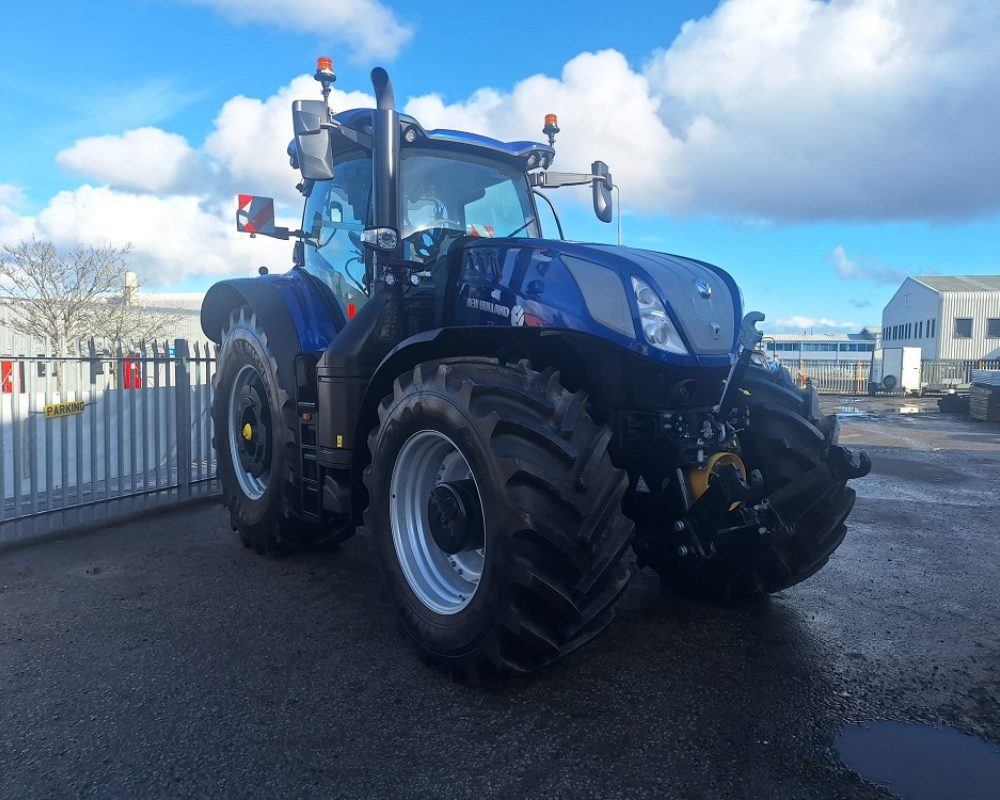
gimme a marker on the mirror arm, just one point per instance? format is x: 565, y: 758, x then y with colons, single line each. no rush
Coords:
x: 280, y: 233
x: 357, y: 137
x: 553, y: 180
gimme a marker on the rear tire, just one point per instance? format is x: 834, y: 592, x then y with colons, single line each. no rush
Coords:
x: 788, y: 435
x: 553, y: 535
x: 253, y: 472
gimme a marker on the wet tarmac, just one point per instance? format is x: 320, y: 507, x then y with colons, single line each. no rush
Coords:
x: 161, y: 659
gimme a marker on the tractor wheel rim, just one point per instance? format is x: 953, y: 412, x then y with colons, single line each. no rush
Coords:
x: 444, y: 583
x: 247, y: 407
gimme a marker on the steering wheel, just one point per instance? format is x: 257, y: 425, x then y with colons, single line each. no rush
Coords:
x: 427, y: 241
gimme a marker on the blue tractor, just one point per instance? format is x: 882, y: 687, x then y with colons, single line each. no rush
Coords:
x: 507, y: 415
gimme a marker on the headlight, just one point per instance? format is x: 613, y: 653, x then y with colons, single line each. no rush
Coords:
x: 656, y: 325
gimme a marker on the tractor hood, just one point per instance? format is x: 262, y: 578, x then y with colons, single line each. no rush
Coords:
x: 703, y: 299
x: 590, y: 288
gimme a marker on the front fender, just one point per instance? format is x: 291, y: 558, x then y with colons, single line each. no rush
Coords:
x: 611, y: 375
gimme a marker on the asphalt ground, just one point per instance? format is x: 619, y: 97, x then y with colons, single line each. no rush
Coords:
x: 161, y: 659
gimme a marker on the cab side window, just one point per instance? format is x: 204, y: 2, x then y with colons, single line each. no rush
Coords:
x: 335, y: 214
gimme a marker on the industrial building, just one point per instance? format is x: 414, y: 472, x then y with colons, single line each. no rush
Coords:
x: 833, y: 347
x: 947, y: 316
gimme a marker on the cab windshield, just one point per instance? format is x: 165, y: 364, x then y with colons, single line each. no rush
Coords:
x: 472, y: 196
x: 444, y: 197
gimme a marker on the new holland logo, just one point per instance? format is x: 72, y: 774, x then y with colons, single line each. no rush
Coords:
x: 488, y: 306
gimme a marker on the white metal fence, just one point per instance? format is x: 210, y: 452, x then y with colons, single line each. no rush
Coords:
x: 851, y: 377
x: 832, y: 377
x: 955, y: 373
x: 90, y: 435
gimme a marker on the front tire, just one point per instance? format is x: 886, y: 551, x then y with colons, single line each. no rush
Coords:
x: 787, y: 437
x: 524, y: 558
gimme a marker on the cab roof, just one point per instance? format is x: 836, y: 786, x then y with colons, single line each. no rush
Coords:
x: 360, y: 118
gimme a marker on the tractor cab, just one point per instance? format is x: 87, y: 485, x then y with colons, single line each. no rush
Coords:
x: 448, y: 194
x: 388, y: 202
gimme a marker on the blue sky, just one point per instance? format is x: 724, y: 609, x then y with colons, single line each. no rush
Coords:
x: 818, y: 151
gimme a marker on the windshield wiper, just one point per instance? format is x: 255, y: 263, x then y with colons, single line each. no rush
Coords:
x: 525, y: 225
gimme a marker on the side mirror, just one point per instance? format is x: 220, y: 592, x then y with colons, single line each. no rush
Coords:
x: 313, y: 139
x: 603, y: 204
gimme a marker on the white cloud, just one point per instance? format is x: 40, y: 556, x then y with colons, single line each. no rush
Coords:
x: 799, y: 322
x: 605, y: 110
x: 367, y: 26
x: 842, y: 265
x: 781, y: 110
x: 850, y: 269
x: 176, y: 203
x: 145, y: 159
x: 11, y: 195
x: 250, y: 137
x: 14, y: 226
x: 856, y: 109
x: 765, y: 109
x: 174, y: 238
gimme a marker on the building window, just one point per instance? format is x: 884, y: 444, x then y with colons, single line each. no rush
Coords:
x: 920, y: 329
x: 963, y: 328
x: 993, y: 328
x: 933, y: 328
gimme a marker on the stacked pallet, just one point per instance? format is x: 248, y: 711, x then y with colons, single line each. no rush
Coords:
x: 984, y: 397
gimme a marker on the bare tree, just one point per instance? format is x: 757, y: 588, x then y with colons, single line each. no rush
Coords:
x: 124, y: 319
x: 75, y: 295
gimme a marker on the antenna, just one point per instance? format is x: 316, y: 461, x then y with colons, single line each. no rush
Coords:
x: 618, y: 191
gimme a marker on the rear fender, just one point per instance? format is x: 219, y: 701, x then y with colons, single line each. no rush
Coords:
x: 290, y: 309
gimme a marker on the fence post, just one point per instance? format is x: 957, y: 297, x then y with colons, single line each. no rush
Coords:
x: 182, y: 388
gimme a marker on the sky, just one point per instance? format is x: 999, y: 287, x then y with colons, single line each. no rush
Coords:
x: 818, y: 150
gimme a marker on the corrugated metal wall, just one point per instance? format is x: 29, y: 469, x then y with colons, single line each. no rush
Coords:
x: 979, y: 306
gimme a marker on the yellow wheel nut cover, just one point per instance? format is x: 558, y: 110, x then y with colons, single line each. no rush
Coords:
x: 247, y: 432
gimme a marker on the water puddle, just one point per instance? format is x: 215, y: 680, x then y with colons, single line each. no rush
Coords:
x: 851, y: 411
x: 918, y: 410
x: 920, y: 762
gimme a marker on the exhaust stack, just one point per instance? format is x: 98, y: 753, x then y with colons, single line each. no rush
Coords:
x: 385, y: 158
